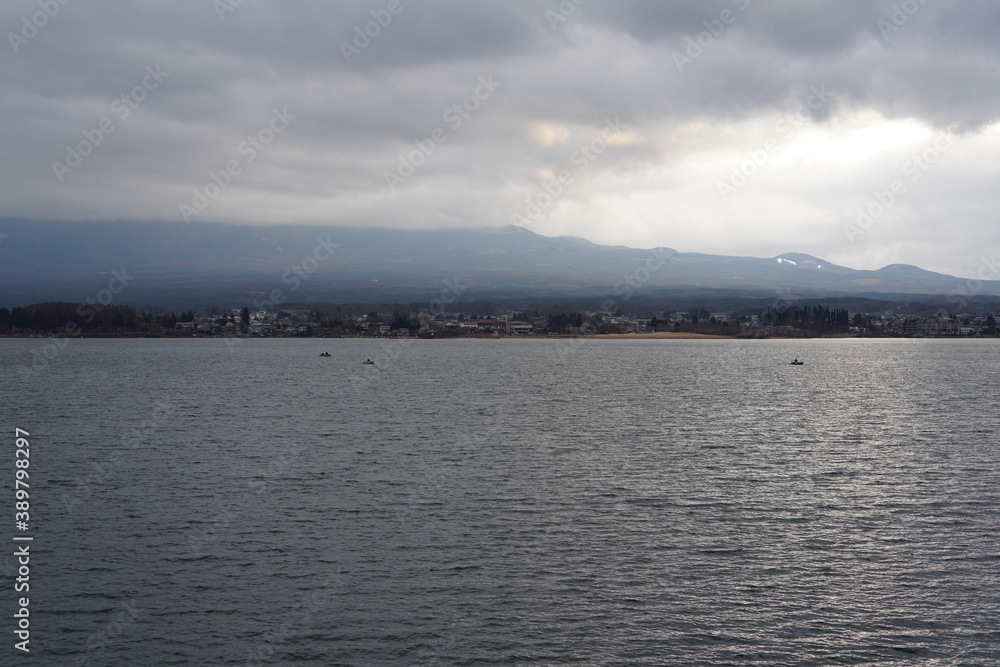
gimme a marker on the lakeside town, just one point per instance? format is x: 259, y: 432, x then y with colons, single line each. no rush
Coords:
x: 400, y: 321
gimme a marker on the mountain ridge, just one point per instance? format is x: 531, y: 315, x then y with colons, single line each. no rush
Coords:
x: 178, y: 263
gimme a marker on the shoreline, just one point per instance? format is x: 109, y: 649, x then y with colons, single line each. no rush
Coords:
x: 658, y: 334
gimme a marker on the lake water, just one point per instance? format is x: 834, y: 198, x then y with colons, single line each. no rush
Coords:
x: 501, y: 502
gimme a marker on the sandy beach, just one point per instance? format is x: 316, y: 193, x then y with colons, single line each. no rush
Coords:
x: 658, y: 334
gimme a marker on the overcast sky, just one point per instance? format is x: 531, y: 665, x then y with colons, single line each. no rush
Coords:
x: 750, y: 127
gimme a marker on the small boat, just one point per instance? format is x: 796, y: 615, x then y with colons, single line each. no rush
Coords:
x: 796, y: 363
x: 324, y: 354
x: 368, y: 362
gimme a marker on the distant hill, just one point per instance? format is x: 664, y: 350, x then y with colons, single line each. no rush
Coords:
x: 182, y: 265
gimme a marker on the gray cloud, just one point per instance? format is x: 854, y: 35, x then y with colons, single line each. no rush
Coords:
x: 894, y: 74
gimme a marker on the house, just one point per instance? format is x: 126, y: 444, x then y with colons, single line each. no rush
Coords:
x: 940, y: 327
x: 519, y: 328
x: 491, y: 325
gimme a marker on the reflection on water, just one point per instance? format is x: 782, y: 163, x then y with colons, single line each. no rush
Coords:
x: 521, y: 501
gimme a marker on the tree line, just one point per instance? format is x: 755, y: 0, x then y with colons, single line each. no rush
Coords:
x: 55, y: 316
x: 815, y: 318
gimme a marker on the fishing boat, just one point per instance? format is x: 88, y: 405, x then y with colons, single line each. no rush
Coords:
x: 368, y: 362
x: 324, y: 354
x: 796, y: 363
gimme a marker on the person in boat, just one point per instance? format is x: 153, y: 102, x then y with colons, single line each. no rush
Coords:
x: 795, y: 361
x: 368, y: 361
